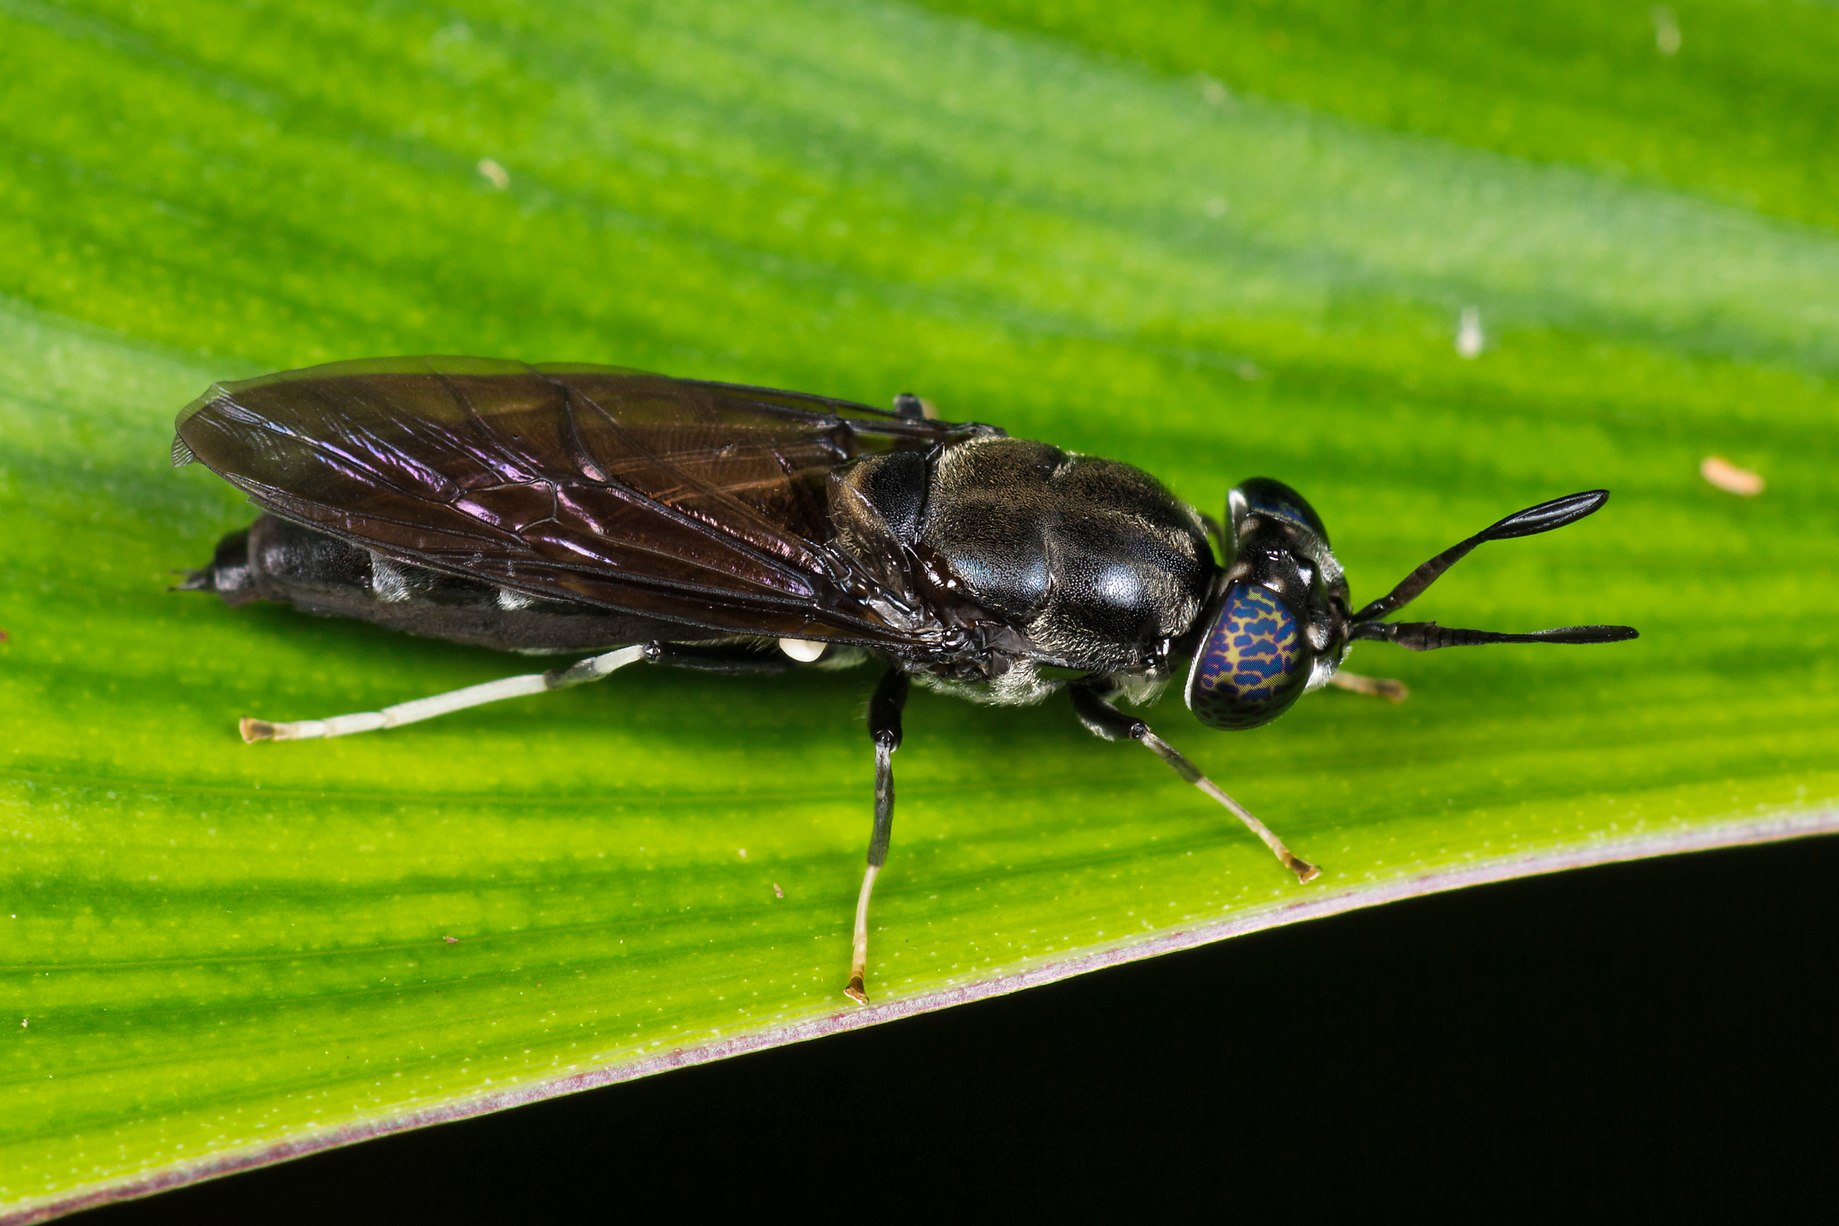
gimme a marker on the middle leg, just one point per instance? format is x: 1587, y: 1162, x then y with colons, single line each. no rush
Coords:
x: 884, y: 726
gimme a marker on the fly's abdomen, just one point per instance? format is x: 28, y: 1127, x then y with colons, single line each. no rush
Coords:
x: 279, y: 561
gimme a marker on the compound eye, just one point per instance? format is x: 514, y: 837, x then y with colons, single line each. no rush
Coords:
x: 1253, y: 664
x: 1266, y: 496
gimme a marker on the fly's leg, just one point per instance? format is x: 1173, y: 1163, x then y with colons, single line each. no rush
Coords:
x: 1091, y: 702
x: 579, y: 673
x: 884, y: 710
x: 1377, y: 687
x: 884, y: 726
x: 883, y: 723
x: 594, y: 668
x: 1216, y: 534
x: 909, y: 407
x: 729, y: 661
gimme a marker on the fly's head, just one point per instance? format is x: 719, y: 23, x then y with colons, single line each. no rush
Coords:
x: 1279, y: 624
x: 1279, y: 621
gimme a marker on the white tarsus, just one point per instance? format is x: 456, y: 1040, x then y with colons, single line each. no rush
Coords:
x: 579, y: 673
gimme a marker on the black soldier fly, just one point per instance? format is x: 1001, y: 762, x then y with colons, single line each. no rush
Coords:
x: 639, y: 518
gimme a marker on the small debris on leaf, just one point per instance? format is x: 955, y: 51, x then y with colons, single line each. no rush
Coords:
x: 1469, y: 339
x: 1729, y: 478
x: 493, y: 173
x: 1666, y: 31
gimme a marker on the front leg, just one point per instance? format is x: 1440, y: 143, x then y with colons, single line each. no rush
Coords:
x: 1092, y: 703
x: 884, y: 726
x: 1375, y: 687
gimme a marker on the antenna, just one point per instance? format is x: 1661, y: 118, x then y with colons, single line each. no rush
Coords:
x: 1429, y: 636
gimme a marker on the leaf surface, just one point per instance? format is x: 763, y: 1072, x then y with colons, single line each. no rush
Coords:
x: 1207, y: 248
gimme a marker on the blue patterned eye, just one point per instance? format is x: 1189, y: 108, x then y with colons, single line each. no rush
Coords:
x: 1253, y: 664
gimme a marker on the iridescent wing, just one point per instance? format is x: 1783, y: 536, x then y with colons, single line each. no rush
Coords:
x: 702, y: 504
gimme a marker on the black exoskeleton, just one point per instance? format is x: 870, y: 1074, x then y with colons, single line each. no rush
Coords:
x: 706, y: 525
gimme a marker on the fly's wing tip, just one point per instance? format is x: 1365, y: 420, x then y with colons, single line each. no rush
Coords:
x: 214, y: 397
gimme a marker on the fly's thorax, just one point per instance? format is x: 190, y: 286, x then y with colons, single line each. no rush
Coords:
x: 1093, y: 563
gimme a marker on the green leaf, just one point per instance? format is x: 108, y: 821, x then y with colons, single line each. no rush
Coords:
x: 1209, y: 245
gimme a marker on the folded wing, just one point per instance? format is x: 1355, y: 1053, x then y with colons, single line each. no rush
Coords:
x: 699, y: 503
